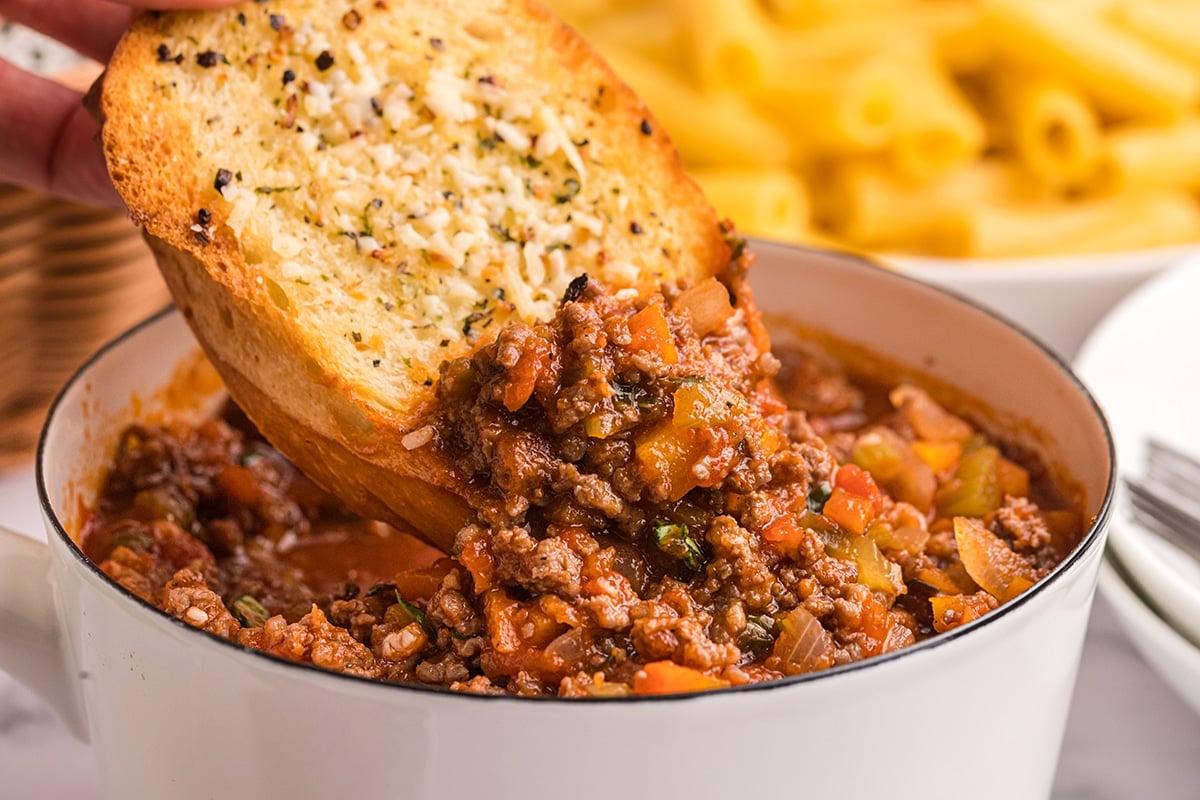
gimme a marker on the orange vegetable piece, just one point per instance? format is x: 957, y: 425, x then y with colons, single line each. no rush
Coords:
x: 522, y: 378
x: 876, y: 624
x: 477, y: 558
x: 785, y: 533
x: 668, y: 452
x: 938, y: 456
x: 650, y: 333
x: 950, y: 612
x: 667, y: 677
x: 1012, y: 477
x: 858, y: 481
x: 422, y: 582
x: 851, y: 511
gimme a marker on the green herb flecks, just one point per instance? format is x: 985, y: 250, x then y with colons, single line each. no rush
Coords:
x: 633, y: 394
x: 250, y: 612
x: 818, y: 495
x: 417, y: 615
x: 675, y: 541
x: 571, y: 187
x: 759, y: 635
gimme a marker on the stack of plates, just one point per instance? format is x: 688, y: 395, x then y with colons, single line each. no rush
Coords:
x: 71, y: 277
x: 1143, y: 364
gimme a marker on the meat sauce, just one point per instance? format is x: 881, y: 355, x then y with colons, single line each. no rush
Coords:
x: 672, y: 508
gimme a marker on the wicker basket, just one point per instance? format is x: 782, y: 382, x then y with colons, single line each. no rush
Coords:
x: 71, y: 278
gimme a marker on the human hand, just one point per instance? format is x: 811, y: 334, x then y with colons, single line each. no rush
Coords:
x: 47, y: 138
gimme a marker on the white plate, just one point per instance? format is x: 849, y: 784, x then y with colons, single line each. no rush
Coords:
x: 1143, y: 365
x: 1173, y: 657
x: 1058, y: 299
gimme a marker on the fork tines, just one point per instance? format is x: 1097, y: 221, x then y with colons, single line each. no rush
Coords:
x: 1167, y: 464
x: 1166, y: 513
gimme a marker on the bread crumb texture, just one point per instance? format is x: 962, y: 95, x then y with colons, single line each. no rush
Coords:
x: 401, y: 177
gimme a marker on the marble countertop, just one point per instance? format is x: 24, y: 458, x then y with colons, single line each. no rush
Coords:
x: 1127, y: 738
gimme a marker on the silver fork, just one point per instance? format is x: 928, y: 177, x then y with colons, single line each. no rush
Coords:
x: 1167, y: 501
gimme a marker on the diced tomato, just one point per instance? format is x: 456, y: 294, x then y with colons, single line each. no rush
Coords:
x: 785, y: 533
x: 851, y: 511
x: 875, y: 623
x: 858, y: 481
x: 667, y: 677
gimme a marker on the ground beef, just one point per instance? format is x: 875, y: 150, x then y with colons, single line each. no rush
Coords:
x: 659, y: 488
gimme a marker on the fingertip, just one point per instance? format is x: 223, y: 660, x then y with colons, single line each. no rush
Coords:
x: 79, y: 171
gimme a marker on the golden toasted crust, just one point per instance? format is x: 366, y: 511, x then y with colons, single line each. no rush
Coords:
x: 342, y: 194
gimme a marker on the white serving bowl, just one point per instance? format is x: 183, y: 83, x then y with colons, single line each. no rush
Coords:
x: 1140, y: 363
x: 174, y: 712
x: 1165, y: 649
x: 1058, y: 299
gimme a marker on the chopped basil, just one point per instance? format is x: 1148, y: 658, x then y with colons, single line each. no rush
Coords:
x: 818, y: 495
x: 417, y: 614
x: 675, y: 541
x: 250, y: 612
x: 633, y: 394
x: 759, y: 635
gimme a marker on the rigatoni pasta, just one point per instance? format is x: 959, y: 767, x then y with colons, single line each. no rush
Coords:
x: 1048, y: 124
x: 964, y: 128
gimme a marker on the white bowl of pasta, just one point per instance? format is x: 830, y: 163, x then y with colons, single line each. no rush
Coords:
x: 1058, y: 299
x: 996, y: 144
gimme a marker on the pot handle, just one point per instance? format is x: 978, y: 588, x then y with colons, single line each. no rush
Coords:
x: 30, y: 641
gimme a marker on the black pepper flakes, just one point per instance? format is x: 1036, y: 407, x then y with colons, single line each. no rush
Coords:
x: 288, y: 76
x: 646, y: 128
x: 635, y: 227
x: 351, y: 19
x: 223, y: 179
x: 164, y: 55
x: 209, y: 58
x: 241, y: 18
x: 204, y: 216
x: 377, y: 106
x: 375, y: 362
x: 325, y: 60
x: 278, y: 21
x: 437, y: 44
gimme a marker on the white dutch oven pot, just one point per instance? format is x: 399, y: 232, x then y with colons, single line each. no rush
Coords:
x: 174, y: 713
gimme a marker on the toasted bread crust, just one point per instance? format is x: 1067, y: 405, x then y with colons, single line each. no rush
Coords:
x: 336, y: 375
